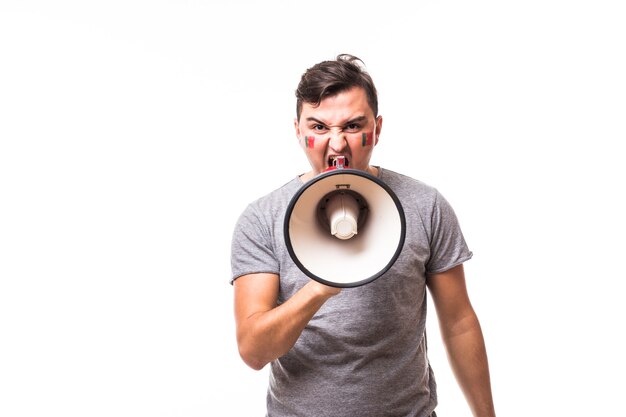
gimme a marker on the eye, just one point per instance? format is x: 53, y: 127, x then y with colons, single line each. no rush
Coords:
x: 319, y: 128
x: 352, y: 127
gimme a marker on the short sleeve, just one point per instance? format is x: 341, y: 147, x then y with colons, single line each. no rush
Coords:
x: 447, y: 244
x: 251, y: 246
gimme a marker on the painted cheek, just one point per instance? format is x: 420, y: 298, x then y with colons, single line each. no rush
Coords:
x: 367, y: 139
x: 309, y: 142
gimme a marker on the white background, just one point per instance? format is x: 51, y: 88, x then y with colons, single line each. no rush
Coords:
x: 133, y: 133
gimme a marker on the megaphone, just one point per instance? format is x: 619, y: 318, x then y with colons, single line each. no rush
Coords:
x: 344, y: 228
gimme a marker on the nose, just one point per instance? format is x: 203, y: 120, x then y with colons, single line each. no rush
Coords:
x: 337, y: 140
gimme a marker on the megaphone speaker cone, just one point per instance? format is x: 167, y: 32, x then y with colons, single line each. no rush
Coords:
x: 342, y: 212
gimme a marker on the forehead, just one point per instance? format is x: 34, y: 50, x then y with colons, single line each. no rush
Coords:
x: 339, y: 108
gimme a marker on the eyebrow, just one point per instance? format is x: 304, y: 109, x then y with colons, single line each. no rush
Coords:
x: 355, y: 120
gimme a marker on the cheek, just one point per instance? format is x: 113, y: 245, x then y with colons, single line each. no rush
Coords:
x: 313, y: 147
x: 367, y: 139
x: 362, y: 141
x: 309, y: 142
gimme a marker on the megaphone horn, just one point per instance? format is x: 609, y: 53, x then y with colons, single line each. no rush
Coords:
x: 344, y: 228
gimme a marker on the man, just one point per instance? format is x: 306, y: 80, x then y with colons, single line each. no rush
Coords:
x: 359, y: 351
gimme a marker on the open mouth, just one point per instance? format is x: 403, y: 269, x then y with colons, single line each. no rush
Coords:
x: 333, y: 161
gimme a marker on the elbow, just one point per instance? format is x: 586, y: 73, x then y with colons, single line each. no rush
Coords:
x: 256, y: 365
x: 250, y: 358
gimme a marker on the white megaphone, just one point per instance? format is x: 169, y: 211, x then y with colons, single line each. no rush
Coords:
x: 344, y: 228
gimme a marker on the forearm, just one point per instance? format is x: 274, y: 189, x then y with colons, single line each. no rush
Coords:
x: 468, y: 358
x: 267, y: 335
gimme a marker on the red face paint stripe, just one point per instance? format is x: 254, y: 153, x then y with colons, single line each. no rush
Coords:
x: 367, y: 139
x: 309, y: 141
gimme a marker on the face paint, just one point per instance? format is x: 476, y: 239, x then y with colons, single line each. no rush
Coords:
x: 309, y: 141
x: 367, y: 139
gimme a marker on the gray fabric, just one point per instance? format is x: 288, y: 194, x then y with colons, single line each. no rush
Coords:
x: 364, y: 352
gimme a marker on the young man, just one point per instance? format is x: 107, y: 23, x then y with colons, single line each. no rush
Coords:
x: 357, y: 351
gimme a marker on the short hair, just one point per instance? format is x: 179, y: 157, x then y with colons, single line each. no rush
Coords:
x: 329, y: 78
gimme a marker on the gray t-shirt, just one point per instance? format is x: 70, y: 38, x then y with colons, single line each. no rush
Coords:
x: 364, y: 352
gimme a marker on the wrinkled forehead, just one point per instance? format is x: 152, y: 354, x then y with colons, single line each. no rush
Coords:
x: 340, y: 108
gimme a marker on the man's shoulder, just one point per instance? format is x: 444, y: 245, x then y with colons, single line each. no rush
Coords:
x: 278, y: 196
x: 405, y: 184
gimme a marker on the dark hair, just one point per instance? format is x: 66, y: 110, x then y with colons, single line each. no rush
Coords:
x: 329, y: 78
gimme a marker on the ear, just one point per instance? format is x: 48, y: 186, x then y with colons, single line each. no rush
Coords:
x: 379, y: 127
x: 296, y: 125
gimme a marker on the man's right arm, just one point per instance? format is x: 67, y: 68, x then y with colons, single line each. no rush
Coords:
x: 266, y: 331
